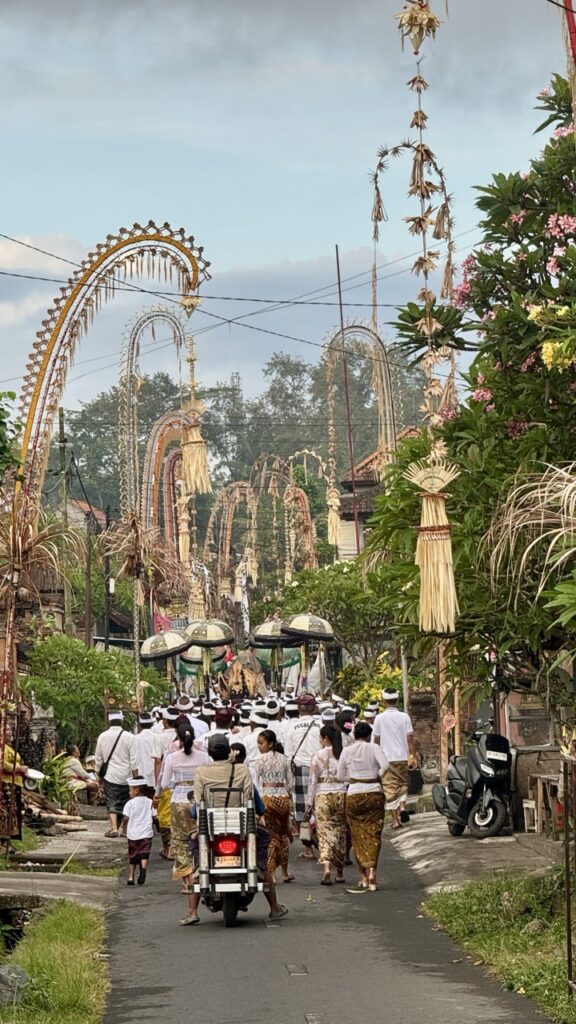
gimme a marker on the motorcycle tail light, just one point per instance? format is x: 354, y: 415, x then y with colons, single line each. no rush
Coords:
x: 227, y: 847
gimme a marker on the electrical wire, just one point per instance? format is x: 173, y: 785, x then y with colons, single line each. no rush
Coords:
x: 225, y: 320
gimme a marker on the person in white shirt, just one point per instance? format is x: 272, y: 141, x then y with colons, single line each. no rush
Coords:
x: 144, y: 742
x: 137, y: 826
x: 362, y: 765
x: 394, y: 734
x: 258, y: 722
x: 326, y: 799
x: 185, y: 706
x: 163, y: 742
x: 301, y: 742
x: 116, y: 753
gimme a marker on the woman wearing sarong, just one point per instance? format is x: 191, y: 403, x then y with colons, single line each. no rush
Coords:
x: 362, y: 766
x: 327, y: 800
x: 11, y: 795
x: 178, y: 770
x: 272, y: 776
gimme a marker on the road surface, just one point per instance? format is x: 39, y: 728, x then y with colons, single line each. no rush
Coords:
x: 338, y: 958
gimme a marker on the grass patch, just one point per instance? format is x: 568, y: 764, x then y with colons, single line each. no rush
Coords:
x: 76, y: 867
x: 489, y: 919
x: 30, y: 841
x: 69, y: 980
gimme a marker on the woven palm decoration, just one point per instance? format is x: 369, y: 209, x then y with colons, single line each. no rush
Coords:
x: 195, y: 472
x: 438, y: 601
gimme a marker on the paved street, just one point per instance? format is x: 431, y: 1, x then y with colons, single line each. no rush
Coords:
x: 443, y: 861
x: 337, y: 959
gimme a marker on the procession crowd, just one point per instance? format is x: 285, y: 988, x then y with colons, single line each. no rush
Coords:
x: 318, y: 770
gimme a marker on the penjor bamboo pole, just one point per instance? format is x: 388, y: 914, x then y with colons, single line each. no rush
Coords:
x: 348, y: 412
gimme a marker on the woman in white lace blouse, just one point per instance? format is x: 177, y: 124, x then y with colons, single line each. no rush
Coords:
x: 327, y: 799
x: 272, y: 776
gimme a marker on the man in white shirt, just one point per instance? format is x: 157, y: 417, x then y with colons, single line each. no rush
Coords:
x: 144, y: 743
x: 301, y: 742
x: 116, y: 751
x: 185, y: 705
x: 394, y: 734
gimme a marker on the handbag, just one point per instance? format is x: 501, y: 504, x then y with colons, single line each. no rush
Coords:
x: 105, y: 764
x: 415, y: 779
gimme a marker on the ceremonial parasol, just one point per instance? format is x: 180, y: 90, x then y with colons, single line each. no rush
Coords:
x: 206, y: 634
x: 269, y: 637
x: 306, y: 627
x: 192, y: 659
x: 163, y: 645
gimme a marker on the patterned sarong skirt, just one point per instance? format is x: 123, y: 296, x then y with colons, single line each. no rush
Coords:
x: 330, y: 814
x: 365, y: 816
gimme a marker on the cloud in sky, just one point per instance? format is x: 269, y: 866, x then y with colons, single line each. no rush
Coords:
x: 254, y: 125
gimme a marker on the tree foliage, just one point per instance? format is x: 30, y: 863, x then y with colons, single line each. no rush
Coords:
x: 517, y: 297
x: 73, y: 680
x: 8, y: 434
x: 351, y: 600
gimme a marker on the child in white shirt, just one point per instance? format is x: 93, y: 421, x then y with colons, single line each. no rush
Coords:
x: 137, y: 825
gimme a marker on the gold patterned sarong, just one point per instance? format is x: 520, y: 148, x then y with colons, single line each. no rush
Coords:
x: 365, y: 816
x: 181, y: 825
x: 330, y: 814
x: 395, y: 784
x: 277, y: 819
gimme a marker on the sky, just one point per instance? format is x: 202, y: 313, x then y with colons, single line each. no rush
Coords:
x: 254, y: 125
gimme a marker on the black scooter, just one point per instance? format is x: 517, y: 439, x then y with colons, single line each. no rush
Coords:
x: 478, y: 787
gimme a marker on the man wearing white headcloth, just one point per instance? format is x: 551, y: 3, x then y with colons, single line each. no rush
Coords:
x: 115, y: 761
x: 394, y: 734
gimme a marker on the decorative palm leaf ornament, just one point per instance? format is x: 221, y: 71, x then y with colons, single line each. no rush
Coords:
x: 139, y: 251
x: 438, y: 600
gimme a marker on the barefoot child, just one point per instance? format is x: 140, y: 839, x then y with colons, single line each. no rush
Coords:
x: 137, y: 825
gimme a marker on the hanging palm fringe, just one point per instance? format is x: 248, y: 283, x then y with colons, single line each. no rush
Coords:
x: 333, y: 501
x: 195, y: 470
x: 438, y: 600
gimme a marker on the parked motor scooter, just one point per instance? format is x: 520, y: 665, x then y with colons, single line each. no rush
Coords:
x: 227, y: 856
x: 478, y: 786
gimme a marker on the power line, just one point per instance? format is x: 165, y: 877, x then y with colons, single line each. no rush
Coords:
x: 234, y: 320
x: 128, y: 286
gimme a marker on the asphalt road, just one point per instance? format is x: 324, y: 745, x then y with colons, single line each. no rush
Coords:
x: 338, y: 958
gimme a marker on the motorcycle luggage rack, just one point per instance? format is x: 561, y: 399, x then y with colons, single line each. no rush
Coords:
x: 226, y: 820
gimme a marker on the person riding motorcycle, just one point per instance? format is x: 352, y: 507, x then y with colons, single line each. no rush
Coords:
x: 224, y: 774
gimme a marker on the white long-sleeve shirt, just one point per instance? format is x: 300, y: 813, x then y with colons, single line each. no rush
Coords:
x: 361, y: 761
x: 144, y: 743
x: 123, y: 762
x: 323, y: 776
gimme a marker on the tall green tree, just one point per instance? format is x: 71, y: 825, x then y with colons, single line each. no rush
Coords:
x: 8, y: 434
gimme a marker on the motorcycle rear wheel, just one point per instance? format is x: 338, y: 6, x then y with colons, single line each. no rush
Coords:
x: 229, y: 909
x: 455, y: 828
x: 488, y: 823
